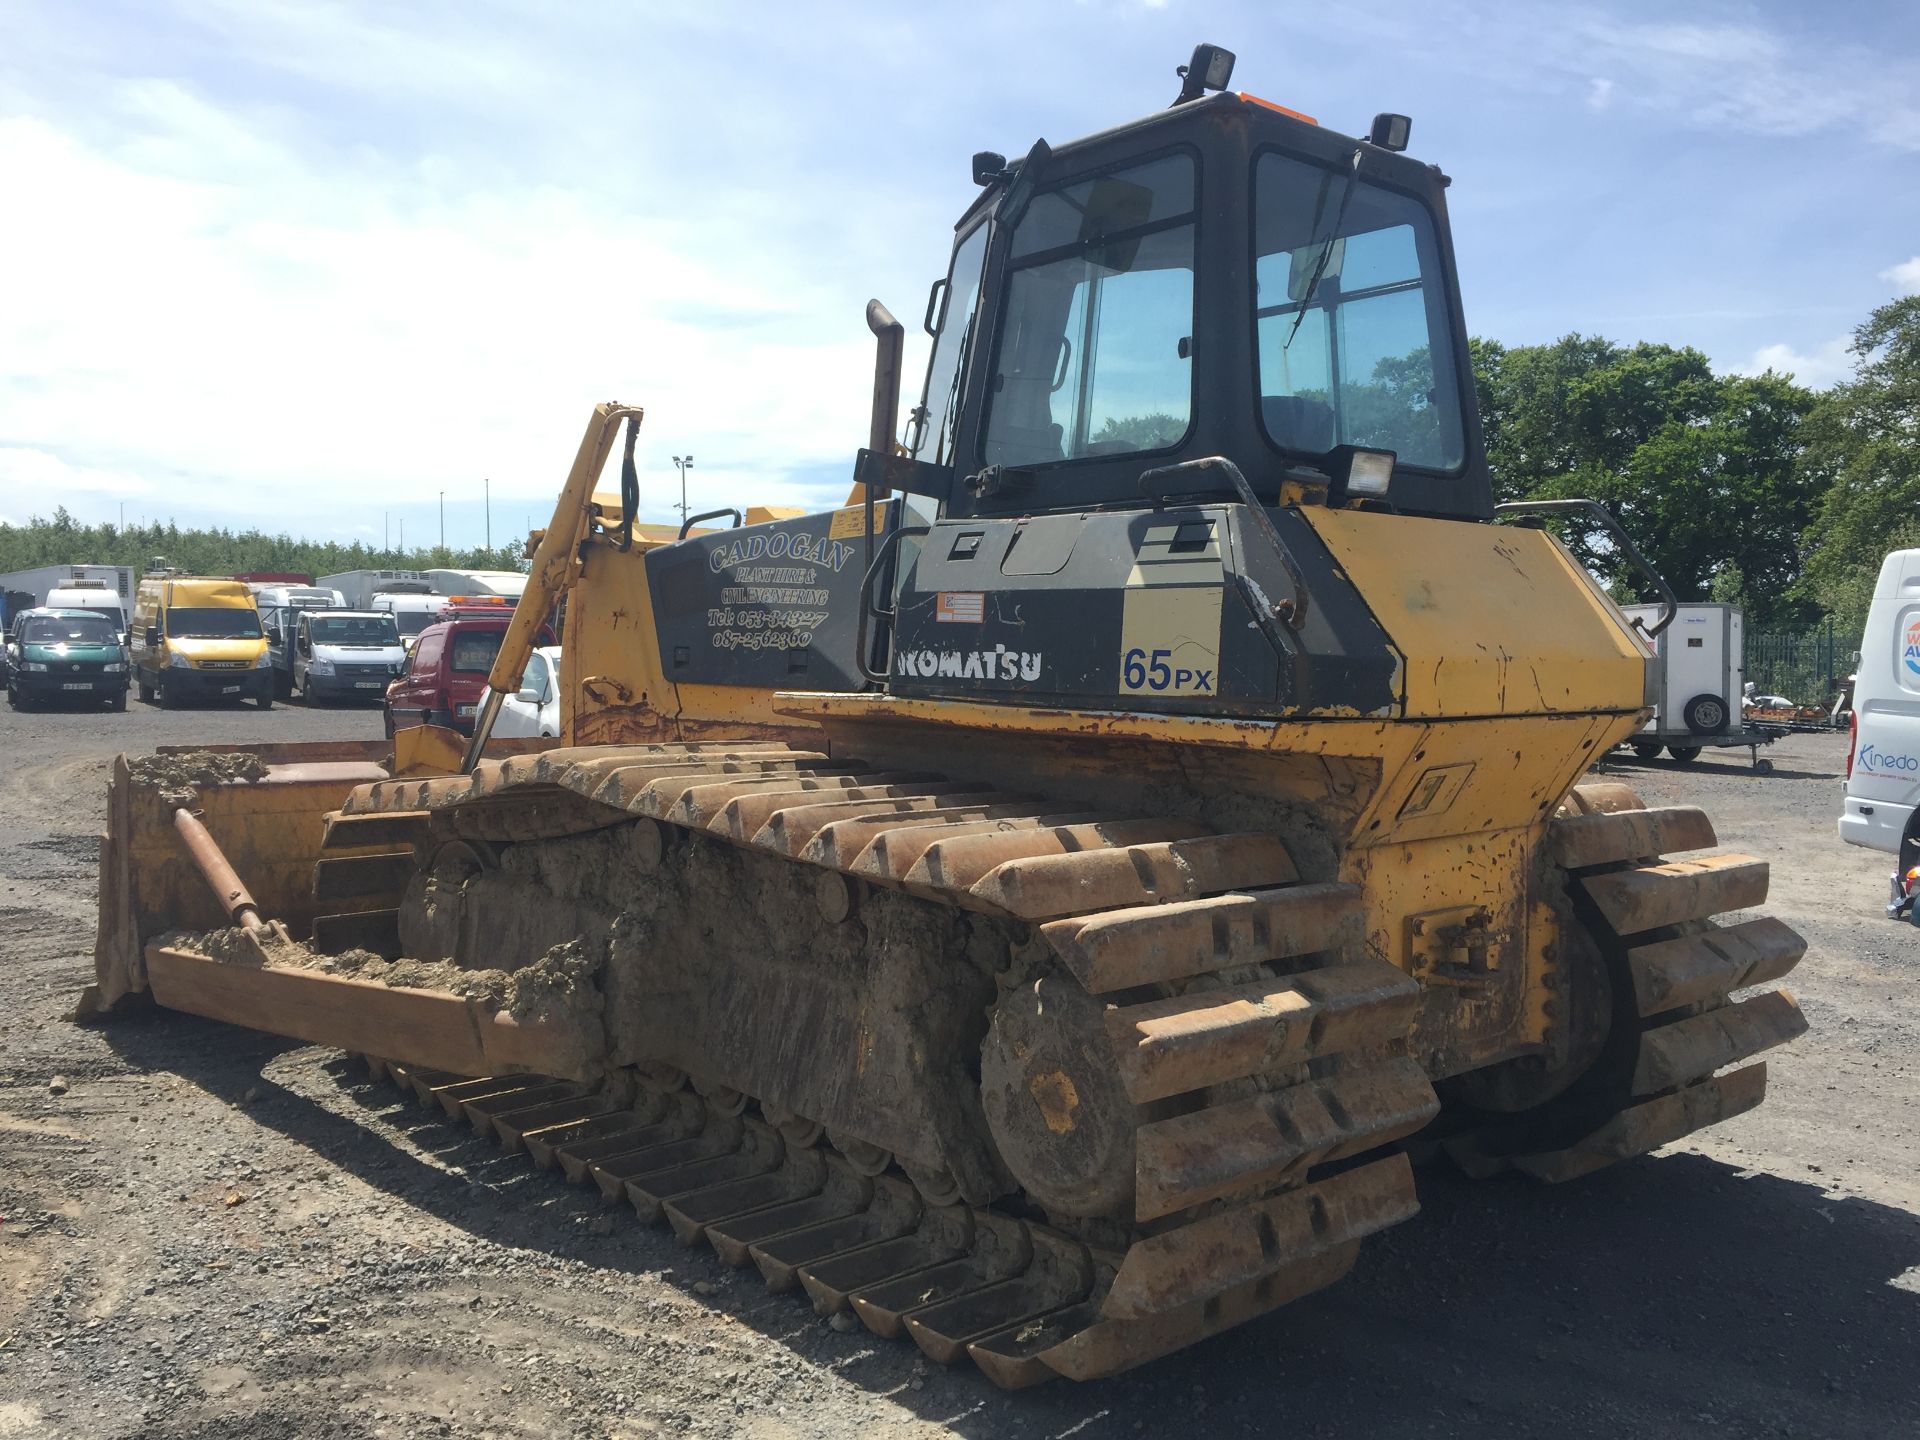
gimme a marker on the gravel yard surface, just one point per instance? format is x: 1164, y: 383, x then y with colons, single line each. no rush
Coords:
x: 210, y: 1232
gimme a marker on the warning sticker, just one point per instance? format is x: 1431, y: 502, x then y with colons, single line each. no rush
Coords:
x: 960, y: 607
x: 853, y: 521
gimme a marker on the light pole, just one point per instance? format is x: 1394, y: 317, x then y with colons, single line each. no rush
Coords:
x: 685, y: 462
x: 443, y: 519
x: 488, y: 492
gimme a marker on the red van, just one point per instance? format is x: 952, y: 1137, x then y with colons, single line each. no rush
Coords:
x: 446, y: 674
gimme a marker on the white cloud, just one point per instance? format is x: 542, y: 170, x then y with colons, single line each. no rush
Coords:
x: 1826, y: 364
x: 213, y: 307
x: 1733, y: 75
x: 46, y: 481
x: 1905, y: 276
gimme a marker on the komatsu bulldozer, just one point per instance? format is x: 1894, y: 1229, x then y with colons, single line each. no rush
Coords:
x: 1045, y: 905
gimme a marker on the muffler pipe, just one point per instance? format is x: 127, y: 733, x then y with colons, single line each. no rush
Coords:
x: 890, y: 340
x: 218, y: 872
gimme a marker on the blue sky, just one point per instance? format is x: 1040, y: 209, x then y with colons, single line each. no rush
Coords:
x: 307, y: 265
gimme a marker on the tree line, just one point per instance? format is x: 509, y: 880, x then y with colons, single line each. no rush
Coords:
x: 1754, y: 490
x: 64, y: 541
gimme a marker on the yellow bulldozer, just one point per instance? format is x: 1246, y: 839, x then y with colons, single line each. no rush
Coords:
x: 1045, y: 904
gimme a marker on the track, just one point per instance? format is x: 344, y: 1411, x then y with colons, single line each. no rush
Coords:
x: 1676, y: 1041
x: 1210, y: 1060
x: 1217, y: 1076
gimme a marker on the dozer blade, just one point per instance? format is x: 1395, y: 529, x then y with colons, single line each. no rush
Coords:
x: 264, y: 808
x: 437, y: 1029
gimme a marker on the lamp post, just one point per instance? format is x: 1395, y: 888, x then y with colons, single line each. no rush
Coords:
x: 684, y: 462
x: 488, y: 492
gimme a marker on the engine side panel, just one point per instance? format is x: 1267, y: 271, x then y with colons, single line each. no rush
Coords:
x: 1141, y: 610
x: 769, y: 607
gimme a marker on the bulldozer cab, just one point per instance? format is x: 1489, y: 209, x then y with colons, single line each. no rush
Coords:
x: 1223, y: 278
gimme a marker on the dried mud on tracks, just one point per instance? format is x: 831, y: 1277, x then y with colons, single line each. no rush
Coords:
x: 213, y: 1233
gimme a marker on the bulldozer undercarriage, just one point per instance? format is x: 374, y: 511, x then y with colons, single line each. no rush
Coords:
x: 1054, y: 1089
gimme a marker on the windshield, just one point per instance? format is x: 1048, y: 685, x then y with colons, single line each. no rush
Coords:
x: 412, y: 622
x: 353, y: 630
x: 535, y: 676
x: 954, y: 329
x: 72, y: 630
x: 475, y: 649
x: 193, y: 622
x: 1092, y: 356
x: 1366, y: 359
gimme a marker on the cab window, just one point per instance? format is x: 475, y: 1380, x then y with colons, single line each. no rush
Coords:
x: 535, y: 678
x: 953, y: 336
x: 193, y: 622
x: 1352, y: 318
x: 1092, y: 356
x: 473, y: 650
x: 70, y: 630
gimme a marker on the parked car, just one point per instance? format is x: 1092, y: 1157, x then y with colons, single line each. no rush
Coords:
x: 446, y: 673
x: 199, y: 637
x: 534, y: 709
x: 345, y: 654
x: 72, y: 655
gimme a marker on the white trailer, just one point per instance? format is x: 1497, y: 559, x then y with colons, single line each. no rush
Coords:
x: 1699, y: 675
x: 24, y: 589
x: 509, y: 583
x: 40, y: 582
x: 358, y: 587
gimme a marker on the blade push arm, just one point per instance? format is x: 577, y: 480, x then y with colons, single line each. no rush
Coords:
x: 555, y: 567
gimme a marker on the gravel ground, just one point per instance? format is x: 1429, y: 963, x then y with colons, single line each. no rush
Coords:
x: 209, y: 1232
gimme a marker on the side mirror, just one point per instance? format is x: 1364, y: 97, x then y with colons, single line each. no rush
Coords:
x: 527, y: 696
x: 153, y: 634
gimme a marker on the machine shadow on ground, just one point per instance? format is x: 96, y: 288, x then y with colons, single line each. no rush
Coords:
x: 1678, y: 1287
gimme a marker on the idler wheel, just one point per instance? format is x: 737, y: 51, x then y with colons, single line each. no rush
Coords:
x: 1055, y: 1102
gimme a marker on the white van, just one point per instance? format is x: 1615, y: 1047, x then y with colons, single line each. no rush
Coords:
x: 412, y: 613
x: 91, y: 595
x: 1883, y: 763
x: 345, y: 654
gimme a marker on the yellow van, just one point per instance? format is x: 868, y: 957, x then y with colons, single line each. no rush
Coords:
x: 199, y: 638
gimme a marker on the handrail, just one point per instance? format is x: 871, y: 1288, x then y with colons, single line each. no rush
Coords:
x: 867, y: 606
x: 1594, y: 510
x: 693, y: 520
x: 1292, y: 610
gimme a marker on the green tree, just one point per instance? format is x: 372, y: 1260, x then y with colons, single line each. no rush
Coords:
x: 62, y: 540
x: 1862, y: 448
x: 1702, y: 470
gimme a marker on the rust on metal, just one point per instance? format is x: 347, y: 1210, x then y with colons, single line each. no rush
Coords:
x: 1697, y: 1046
x: 1668, y: 974
x: 1168, y: 1047
x: 1119, y: 949
x: 1047, y: 887
x: 1599, y: 838
x: 1650, y: 896
x: 1658, y: 1122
